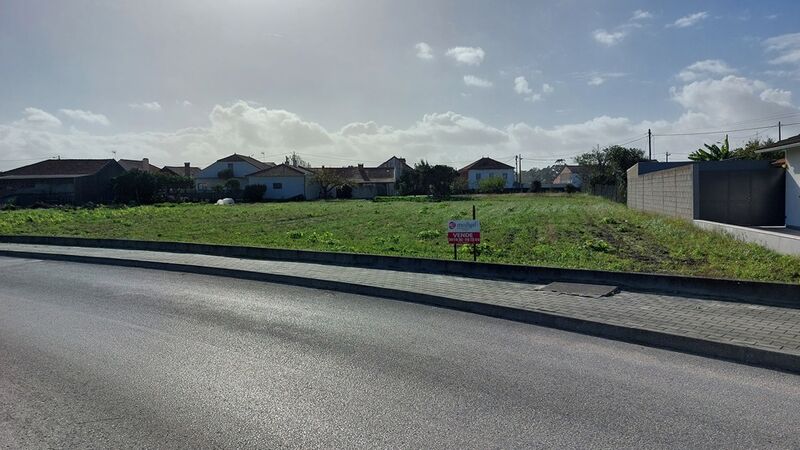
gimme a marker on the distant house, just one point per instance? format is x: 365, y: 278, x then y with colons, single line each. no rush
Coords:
x: 367, y: 182
x: 485, y: 168
x: 74, y: 181
x: 143, y: 165
x: 574, y: 175
x: 792, y: 182
x: 181, y: 171
x: 285, y: 182
x: 398, y: 164
x: 240, y: 165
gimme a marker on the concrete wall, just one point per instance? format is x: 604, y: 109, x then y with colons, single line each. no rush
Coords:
x: 669, y: 192
x: 793, y: 188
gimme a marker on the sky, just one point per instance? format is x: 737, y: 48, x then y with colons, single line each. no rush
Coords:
x: 342, y: 82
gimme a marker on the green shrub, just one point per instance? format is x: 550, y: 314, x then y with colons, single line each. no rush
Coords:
x: 254, y: 192
x: 491, y: 185
x: 428, y: 234
x: 294, y: 234
x: 233, y: 185
x: 598, y: 245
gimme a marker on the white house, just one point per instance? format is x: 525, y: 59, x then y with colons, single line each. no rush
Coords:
x: 485, y: 168
x: 792, y: 197
x: 240, y: 165
x: 285, y: 182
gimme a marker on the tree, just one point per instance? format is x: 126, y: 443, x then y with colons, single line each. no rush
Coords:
x: 750, y: 148
x: 329, y: 180
x: 232, y: 185
x: 491, y: 185
x: 145, y: 187
x: 439, y: 180
x: 712, y: 152
x: 610, y: 166
x: 254, y: 192
x: 295, y: 160
x: 225, y: 174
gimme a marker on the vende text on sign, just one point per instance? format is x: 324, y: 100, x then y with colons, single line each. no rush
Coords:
x: 464, y: 232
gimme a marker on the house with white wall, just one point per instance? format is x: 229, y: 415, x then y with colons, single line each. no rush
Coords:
x: 485, y: 168
x: 286, y: 182
x: 240, y: 165
x: 791, y: 147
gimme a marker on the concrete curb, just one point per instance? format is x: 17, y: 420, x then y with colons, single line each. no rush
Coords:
x: 757, y: 292
x: 736, y: 353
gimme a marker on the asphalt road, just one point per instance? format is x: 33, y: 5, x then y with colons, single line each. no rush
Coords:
x: 96, y: 356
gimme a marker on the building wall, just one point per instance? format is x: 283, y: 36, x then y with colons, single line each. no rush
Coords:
x: 669, y: 192
x: 474, y: 177
x: 208, y: 177
x: 291, y: 187
x: 793, y: 188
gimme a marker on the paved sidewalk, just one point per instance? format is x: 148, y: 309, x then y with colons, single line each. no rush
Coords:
x: 739, y: 324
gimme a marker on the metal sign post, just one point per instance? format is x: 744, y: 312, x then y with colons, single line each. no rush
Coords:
x: 464, y: 232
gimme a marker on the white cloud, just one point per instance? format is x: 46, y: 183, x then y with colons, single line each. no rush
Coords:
x: 85, y: 116
x: 146, y: 106
x: 35, y: 117
x: 609, y: 38
x: 779, y: 96
x: 471, y: 56
x: 521, y: 86
x: 471, y: 80
x: 186, y: 104
x: 438, y: 137
x: 705, y: 68
x: 424, y: 51
x: 596, y: 78
x: 641, y: 15
x: 690, y: 20
x: 785, y: 47
x: 730, y: 99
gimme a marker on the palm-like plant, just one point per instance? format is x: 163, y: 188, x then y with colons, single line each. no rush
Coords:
x: 712, y: 152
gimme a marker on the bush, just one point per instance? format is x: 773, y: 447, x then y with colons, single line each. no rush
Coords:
x: 344, y: 191
x: 254, y: 192
x: 571, y: 189
x: 491, y: 185
x: 536, y: 186
x: 232, y: 185
x: 429, y: 234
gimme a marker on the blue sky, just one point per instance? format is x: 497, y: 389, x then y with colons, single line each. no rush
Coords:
x: 341, y: 82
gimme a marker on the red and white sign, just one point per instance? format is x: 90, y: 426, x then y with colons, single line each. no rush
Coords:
x: 464, y: 232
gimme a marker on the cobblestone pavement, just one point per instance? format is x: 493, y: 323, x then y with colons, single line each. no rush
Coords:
x: 766, y: 327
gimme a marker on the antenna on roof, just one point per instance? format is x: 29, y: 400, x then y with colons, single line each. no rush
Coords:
x: 114, y: 154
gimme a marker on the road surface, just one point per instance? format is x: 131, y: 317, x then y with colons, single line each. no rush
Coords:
x: 98, y: 356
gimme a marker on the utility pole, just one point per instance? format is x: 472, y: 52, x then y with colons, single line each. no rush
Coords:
x: 779, y: 130
x: 516, y: 169
x: 649, y: 145
x: 668, y: 156
x: 520, y: 171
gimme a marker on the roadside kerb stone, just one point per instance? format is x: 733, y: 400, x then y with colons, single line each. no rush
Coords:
x: 768, y: 293
x: 761, y: 335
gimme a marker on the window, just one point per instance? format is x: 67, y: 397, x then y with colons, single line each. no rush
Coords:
x: 478, y: 176
x: 277, y: 185
x: 230, y: 166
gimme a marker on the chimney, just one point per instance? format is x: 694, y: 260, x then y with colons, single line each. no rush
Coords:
x: 145, y: 164
x: 360, y: 165
x: 187, y: 172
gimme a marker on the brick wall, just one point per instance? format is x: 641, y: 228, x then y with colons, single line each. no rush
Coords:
x: 669, y: 191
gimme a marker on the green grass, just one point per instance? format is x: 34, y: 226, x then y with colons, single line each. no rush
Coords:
x: 577, y: 231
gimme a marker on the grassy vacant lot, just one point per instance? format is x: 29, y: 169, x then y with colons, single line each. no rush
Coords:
x: 577, y: 231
